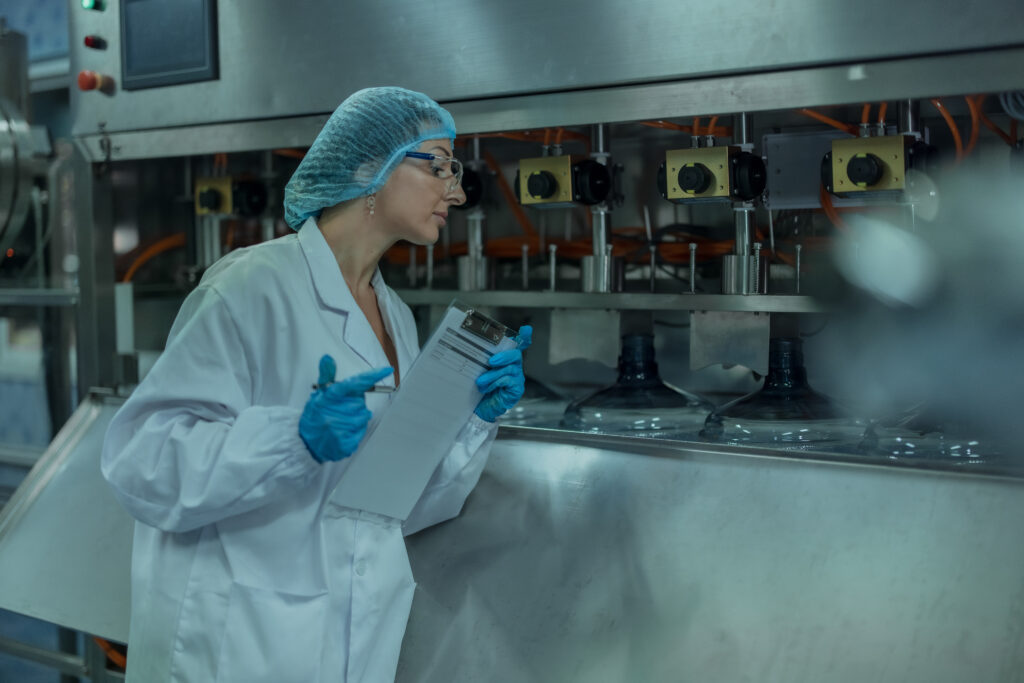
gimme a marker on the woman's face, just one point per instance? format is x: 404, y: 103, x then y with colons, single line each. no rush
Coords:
x: 414, y: 203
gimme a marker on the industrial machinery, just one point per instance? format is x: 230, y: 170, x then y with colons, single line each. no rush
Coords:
x: 726, y: 249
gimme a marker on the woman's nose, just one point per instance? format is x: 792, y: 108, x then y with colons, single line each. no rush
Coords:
x: 456, y: 196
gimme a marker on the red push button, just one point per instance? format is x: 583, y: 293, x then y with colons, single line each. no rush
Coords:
x: 95, y: 42
x: 91, y: 80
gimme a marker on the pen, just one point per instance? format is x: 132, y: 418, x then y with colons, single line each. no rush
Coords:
x: 375, y: 389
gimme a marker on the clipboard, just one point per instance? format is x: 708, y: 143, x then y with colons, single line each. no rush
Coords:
x: 391, y: 468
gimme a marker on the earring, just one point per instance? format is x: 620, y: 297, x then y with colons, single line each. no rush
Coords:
x: 371, y: 203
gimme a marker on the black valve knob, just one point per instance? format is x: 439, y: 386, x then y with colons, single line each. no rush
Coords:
x: 541, y: 185
x: 592, y: 182
x: 695, y: 178
x: 249, y: 198
x: 749, y: 176
x: 865, y: 170
x: 210, y: 199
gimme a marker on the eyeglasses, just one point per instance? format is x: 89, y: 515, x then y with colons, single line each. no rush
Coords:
x: 442, y: 167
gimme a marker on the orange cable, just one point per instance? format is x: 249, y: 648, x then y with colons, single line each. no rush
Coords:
x: 112, y: 654
x: 696, y: 125
x: 845, y: 127
x: 166, y: 244
x: 829, y: 208
x: 881, y: 112
x: 974, y: 105
x: 293, y: 153
x: 865, y: 113
x: 957, y: 141
x: 1010, y: 139
x: 711, y: 126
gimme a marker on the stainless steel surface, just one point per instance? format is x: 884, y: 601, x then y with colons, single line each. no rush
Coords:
x: 277, y: 60
x: 13, y: 296
x: 995, y: 70
x: 730, y: 338
x: 600, y: 559
x: 65, y: 542
x: 619, y: 301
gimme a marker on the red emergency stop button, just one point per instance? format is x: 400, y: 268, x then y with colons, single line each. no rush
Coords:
x: 92, y: 80
x: 95, y: 43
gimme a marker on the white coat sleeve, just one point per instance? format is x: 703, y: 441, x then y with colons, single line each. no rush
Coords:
x: 188, y: 448
x: 454, y: 477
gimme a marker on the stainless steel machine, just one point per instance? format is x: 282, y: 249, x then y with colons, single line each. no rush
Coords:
x: 716, y: 179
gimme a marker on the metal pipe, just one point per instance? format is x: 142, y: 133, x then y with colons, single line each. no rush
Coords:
x: 909, y: 118
x: 799, y: 248
x: 654, y: 262
x: 606, y: 275
x: 741, y: 129
x: 600, y: 244
x: 526, y: 266
x: 430, y: 266
x: 693, y: 267
x: 744, y: 219
x: 755, y: 285
x: 552, y: 266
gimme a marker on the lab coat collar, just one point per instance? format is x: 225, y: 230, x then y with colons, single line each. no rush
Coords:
x: 333, y: 291
x: 323, y: 267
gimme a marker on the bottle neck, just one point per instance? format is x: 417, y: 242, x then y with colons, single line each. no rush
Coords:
x: 636, y: 362
x: 786, y: 372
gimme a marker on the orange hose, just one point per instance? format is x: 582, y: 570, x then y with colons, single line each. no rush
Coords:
x: 696, y: 125
x: 293, y: 153
x: 166, y: 244
x: 1010, y: 139
x: 881, y: 112
x: 668, y: 125
x: 510, y: 196
x: 711, y: 126
x: 830, y: 209
x: 865, y: 113
x: 112, y: 654
x: 974, y: 105
x: 845, y: 127
x: 957, y: 141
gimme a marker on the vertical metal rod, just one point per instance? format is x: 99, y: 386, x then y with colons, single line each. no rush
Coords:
x: 909, y: 117
x: 430, y: 266
x: 600, y: 243
x: 552, y: 266
x: 743, y: 215
x: 771, y: 232
x: 693, y: 267
x: 755, y: 285
x: 799, y: 248
x: 741, y: 129
x: 606, y: 274
x: 654, y: 263
x: 526, y: 267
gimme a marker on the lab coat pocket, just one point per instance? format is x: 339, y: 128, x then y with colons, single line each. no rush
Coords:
x: 272, y: 636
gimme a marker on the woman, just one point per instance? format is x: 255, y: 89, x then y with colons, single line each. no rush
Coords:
x: 241, y: 568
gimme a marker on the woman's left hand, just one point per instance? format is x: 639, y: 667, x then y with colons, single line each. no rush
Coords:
x: 503, y: 385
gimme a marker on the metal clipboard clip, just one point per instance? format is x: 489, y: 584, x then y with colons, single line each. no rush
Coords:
x: 487, y: 329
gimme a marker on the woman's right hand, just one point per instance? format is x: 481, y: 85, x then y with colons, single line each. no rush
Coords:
x: 334, y: 419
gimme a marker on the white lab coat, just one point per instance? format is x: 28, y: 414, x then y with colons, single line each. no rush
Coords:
x: 241, y: 568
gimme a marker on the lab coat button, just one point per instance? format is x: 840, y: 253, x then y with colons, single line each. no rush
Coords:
x: 360, y: 568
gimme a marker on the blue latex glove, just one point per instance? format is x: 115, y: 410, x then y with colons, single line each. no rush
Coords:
x: 503, y: 385
x: 335, y: 417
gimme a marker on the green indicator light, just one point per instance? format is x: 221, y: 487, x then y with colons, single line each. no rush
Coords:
x: 92, y: 4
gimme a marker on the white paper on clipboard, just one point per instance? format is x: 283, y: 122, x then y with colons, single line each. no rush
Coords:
x: 391, y: 468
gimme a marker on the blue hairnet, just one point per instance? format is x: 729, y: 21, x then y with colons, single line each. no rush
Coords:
x: 365, y: 139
